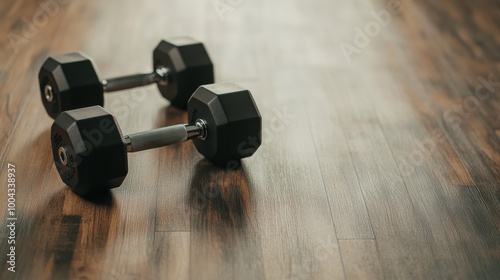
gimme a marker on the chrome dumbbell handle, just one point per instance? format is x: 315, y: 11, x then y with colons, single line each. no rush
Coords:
x: 165, y: 136
x: 160, y: 75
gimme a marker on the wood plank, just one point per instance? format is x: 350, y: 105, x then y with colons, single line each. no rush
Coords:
x: 400, y: 232
x: 339, y: 175
x: 171, y: 255
x: 361, y: 260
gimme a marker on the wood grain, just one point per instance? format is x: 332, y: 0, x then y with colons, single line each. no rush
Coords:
x: 379, y: 165
x: 361, y: 260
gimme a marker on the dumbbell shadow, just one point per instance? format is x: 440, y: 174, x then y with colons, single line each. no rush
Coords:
x: 220, y: 201
x: 65, y: 228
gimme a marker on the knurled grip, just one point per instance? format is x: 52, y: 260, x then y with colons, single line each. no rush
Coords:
x: 156, y: 138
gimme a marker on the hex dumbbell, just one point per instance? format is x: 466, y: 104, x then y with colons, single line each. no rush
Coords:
x: 90, y: 152
x: 70, y: 81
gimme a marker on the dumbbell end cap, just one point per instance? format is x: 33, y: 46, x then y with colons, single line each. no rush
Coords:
x: 69, y: 81
x: 189, y: 67
x: 88, y: 150
x: 233, y: 122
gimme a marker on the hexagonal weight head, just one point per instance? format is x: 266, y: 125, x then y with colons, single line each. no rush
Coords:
x: 190, y: 67
x: 234, y: 122
x: 69, y: 81
x: 88, y: 150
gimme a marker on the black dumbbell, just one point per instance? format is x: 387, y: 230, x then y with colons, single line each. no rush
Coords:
x: 90, y: 152
x: 70, y: 81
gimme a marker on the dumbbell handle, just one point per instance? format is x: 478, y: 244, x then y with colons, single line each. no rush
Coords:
x: 160, y: 75
x: 165, y: 136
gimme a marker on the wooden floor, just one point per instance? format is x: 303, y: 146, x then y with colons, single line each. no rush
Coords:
x: 380, y: 155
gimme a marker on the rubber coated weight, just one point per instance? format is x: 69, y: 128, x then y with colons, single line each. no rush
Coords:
x: 234, y: 122
x: 91, y: 144
x: 67, y: 82
x: 190, y: 67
